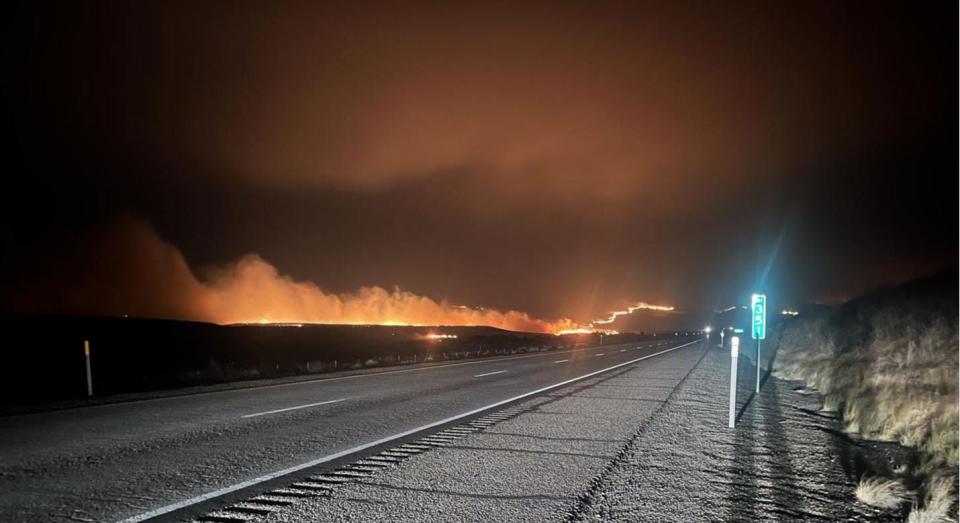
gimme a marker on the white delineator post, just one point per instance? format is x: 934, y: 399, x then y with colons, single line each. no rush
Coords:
x: 734, y: 353
x: 758, y: 366
x: 86, y: 356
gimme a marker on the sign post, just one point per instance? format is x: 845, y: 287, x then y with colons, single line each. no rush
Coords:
x: 86, y: 356
x: 734, y: 350
x: 758, y: 304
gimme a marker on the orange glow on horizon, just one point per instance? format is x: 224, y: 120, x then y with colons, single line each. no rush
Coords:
x: 439, y: 336
x: 630, y: 310
x: 371, y: 302
x: 251, y: 291
x: 579, y: 330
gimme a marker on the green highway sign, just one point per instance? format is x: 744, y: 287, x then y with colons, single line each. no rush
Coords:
x: 758, y: 304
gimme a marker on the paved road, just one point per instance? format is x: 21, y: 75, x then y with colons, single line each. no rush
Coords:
x: 532, y: 461
x: 118, y: 461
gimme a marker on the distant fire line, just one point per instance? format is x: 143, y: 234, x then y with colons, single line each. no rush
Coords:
x: 589, y: 328
x: 592, y: 329
x: 436, y: 337
x: 630, y: 310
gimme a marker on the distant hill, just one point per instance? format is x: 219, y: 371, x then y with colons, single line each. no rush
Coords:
x: 44, y: 354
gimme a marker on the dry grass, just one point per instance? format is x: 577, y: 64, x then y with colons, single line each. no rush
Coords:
x: 888, y: 363
x: 938, y: 499
x: 882, y: 492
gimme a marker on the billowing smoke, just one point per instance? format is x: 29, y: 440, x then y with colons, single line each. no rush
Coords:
x: 252, y: 290
x: 130, y: 270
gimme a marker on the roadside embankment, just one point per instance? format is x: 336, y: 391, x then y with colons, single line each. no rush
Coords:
x: 887, y: 364
x: 784, y: 461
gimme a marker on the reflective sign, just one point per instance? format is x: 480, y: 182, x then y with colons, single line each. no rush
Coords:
x: 758, y: 304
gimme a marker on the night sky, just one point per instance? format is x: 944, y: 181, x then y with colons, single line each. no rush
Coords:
x: 561, y: 159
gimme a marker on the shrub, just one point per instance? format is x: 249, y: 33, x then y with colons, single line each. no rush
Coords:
x: 888, y: 363
x: 882, y: 493
x: 937, y: 500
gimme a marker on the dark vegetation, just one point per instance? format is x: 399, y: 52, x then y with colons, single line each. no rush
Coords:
x: 44, y: 355
x: 887, y: 364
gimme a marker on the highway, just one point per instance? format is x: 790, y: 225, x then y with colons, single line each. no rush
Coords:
x: 146, y: 458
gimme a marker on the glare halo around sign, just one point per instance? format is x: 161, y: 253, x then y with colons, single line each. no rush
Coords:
x: 758, y: 307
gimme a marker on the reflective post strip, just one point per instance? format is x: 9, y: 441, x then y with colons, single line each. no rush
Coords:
x: 734, y: 352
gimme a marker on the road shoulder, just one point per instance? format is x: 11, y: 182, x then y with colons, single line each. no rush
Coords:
x: 785, y: 460
x: 532, y: 464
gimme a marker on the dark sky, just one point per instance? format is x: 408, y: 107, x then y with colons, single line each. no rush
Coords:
x: 562, y: 159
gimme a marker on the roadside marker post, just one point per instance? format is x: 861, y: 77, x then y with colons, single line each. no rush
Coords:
x: 734, y: 352
x: 86, y: 357
x: 758, y: 304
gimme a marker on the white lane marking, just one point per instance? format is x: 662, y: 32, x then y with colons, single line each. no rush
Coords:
x: 293, y: 408
x: 601, y: 354
x: 561, y: 361
x: 308, y: 381
x: 337, y: 455
x: 490, y: 373
x: 623, y: 350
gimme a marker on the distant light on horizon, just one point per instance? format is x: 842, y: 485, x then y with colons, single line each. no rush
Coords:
x: 630, y: 310
x: 268, y: 323
x: 439, y: 336
x: 580, y: 330
x: 586, y: 330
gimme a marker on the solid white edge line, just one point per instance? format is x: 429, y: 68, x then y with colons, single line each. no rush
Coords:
x: 490, y: 373
x: 306, y: 382
x: 330, y: 457
x: 292, y: 408
x: 318, y: 380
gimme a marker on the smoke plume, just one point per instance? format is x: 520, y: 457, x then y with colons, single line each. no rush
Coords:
x: 129, y: 270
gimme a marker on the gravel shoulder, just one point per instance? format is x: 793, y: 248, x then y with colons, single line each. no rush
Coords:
x: 784, y: 461
x: 648, y: 442
x: 532, y: 466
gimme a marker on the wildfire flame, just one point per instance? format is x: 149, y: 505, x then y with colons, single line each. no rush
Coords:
x: 436, y: 336
x: 592, y: 329
x: 578, y: 330
x: 630, y: 310
x: 251, y: 290
x: 148, y: 277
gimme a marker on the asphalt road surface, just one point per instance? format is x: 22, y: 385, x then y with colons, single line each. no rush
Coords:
x: 145, y: 458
